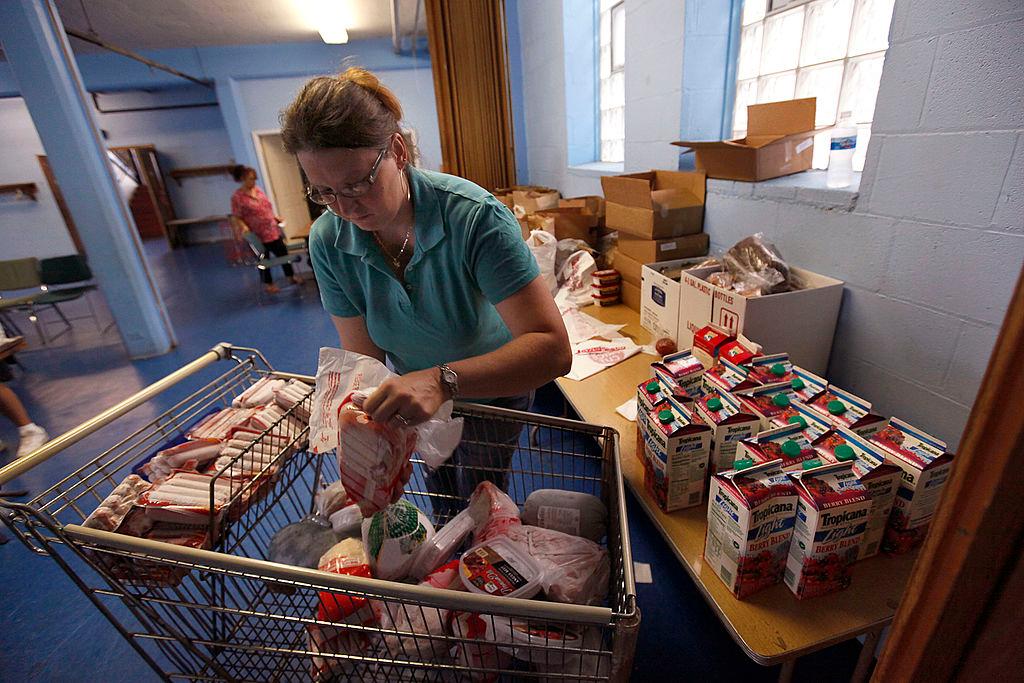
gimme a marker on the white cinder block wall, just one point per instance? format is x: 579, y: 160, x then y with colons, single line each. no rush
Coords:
x: 935, y: 241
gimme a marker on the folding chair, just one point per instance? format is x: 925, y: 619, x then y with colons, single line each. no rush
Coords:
x: 263, y: 263
x: 66, y: 270
x: 15, y: 275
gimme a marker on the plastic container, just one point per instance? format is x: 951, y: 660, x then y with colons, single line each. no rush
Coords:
x: 841, y: 148
x: 508, y: 633
x: 435, y: 551
x: 501, y: 568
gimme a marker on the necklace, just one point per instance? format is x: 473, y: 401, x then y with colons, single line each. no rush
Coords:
x: 396, y: 261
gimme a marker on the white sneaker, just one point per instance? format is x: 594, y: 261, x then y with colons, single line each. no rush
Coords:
x: 32, y: 437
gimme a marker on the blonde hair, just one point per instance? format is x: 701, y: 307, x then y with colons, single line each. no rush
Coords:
x: 350, y: 110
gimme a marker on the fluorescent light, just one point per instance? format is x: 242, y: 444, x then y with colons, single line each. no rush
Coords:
x: 334, y: 35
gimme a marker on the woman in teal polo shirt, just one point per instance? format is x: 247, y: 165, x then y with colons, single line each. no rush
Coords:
x: 423, y: 269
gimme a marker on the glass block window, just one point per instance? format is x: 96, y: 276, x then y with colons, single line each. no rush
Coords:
x: 613, y: 76
x: 829, y: 49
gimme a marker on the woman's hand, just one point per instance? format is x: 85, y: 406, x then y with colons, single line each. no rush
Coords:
x: 407, y: 399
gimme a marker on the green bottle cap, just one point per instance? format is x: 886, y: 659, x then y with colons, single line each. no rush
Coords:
x: 836, y: 407
x: 665, y: 417
x: 778, y: 369
x: 810, y: 464
x: 780, y: 400
x: 652, y: 387
x: 844, y: 453
x: 715, y: 404
x: 743, y: 463
x: 790, y: 448
x: 797, y: 420
x: 797, y: 384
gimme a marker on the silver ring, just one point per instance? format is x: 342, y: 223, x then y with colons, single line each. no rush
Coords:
x: 402, y: 419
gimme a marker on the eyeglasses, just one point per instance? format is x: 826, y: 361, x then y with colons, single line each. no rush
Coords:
x: 326, y: 197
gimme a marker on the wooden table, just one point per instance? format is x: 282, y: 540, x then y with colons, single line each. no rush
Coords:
x: 175, y: 228
x: 772, y: 626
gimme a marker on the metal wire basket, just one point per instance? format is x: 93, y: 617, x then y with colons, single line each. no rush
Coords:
x: 223, y: 612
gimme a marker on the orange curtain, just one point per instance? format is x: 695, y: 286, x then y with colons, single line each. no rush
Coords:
x: 469, y: 58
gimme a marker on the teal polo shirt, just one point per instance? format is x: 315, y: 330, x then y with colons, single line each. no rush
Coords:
x: 469, y: 256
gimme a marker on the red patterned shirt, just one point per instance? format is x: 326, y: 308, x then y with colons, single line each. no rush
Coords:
x: 257, y: 213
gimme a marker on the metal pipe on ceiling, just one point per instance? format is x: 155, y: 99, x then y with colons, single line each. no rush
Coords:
x: 81, y: 35
x: 396, y: 35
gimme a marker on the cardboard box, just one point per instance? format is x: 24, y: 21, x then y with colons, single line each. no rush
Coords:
x: 779, y: 141
x: 569, y: 223
x: 631, y: 296
x: 650, y: 251
x: 801, y: 323
x: 831, y: 516
x: 729, y: 423
x: 533, y: 197
x: 707, y: 341
x: 926, y: 466
x: 655, y: 204
x: 751, y: 514
x: 677, y: 446
x: 630, y: 270
x: 844, y: 409
x: 880, y: 478
x: 588, y: 205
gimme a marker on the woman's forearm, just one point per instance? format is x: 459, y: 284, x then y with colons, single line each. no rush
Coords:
x: 523, y: 364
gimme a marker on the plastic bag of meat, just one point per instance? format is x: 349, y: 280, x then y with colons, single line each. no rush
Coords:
x: 347, y: 557
x: 493, y: 512
x: 259, y: 394
x: 576, y: 570
x: 188, y: 456
x: 419, y: 620
x: 480, y: 652
x: 392, y: 538
x: 757, y: 267
x: 379, y: 453
x: 110, y: 513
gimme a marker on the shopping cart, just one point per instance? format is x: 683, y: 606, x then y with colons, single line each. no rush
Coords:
x: 226, y: 613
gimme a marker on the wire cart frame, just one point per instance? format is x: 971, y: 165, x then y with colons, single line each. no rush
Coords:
x: 225, y: 613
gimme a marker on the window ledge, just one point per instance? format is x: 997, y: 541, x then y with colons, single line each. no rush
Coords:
x: 597, y: 169
x: 808, y: 188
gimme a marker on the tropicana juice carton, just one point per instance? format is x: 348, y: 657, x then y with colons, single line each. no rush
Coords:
x: 768, y: 401
x: 843, y: 409
x: 728, y: 376
x: 677, y: 448
x: 750, y: 524
x: 831, y: 516
x: 649, y: 393
x: 730, y: 423
x: 708, y: 341
x: 880, y: 478
x: 686, y: 371
x: 791, y: 445
x: 925, y: 466
x: 772, y: 368
x: 802, y: 391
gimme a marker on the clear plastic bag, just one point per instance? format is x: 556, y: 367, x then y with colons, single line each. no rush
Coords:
x: 757, y: 267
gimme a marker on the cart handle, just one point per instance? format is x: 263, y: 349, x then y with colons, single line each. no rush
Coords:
x: 269, y: 571
x: 69, y: 438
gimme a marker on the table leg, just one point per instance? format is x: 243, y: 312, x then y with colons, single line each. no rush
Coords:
x: 867, y: 656
x: 786, y: 672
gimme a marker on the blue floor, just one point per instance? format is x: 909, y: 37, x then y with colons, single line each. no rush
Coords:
x: 50, y: 632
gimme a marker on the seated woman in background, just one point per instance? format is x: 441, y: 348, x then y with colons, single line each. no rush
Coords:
x: 252, y: 208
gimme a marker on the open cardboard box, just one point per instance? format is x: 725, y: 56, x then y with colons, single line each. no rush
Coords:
x: 649, y: 251
x: 779, y: 141
x: 801, y: 322
x: 655, y: 204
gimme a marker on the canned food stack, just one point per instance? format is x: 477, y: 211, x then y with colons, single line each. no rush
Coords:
x: 607, y: 286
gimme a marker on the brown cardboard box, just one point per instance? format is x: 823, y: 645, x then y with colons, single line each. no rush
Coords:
x: 655, y: 204
x: 631, y: 295
x: 572, y: 222
x: 779, y: 141
x: 531, y: 197
x: 536, y: 221
x: 650, y: 251
x: 590, y: 205
x: 629, y: 269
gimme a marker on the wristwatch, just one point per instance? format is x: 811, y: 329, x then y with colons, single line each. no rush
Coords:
x: 449, y: 380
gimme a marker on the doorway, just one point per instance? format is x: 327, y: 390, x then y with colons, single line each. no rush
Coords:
x: 285, y: 185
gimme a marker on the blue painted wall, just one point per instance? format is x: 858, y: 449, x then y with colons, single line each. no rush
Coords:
x: 582, y: 97
x: 514, y: 45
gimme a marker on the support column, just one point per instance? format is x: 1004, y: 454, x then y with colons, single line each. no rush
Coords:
x: 48, y: 78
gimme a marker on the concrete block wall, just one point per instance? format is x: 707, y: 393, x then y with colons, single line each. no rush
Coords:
x: 934, y: 243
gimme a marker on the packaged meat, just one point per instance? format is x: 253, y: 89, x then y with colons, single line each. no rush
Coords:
x: 113, y: 509
x: 218, y: 426
x: 392, y: 538
x: 188, y: 455
x: 480, y: 654
x: 373, y: 459
x: 347, y: 557
x: 331, y: 498
x: 579, y: 664
x: 443, y: 545
x: 325, y: 640
x: 303, y: 543
x: 259, y: 394
x: 573, y: 569
x: 293, y: 394
x: 185, y: 498
x: 500, y: 567
x: 537, y: 641
x: 571, y: 512
x: 419, y: 620
x: 347, y: 521
x: 493, y: 512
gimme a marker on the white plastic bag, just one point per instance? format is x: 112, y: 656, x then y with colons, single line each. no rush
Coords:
x: 545, y: 247
x: 575, y: 570
x: 574, y: 278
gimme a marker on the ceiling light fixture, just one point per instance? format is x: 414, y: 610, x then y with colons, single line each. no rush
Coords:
x: 329, y: 17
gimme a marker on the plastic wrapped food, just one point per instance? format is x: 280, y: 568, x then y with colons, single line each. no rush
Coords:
x: 188, y: 455
x: 259, y: 394
x: 346, y: 557
x: 574, y: 569
x: 347, y: 521
x: 422, y: 620
x: 112, y: 511
x: 480, y: 652
x: 501, y: 568
x: 303, y: 543
x: 571, y: 512
x: 445, y: 542
x: 392, y: 538
x: 185, y: 498
x: 332, y: 498
x: 757, y: 267
x: 373, y: 459
x: 493, y: 512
